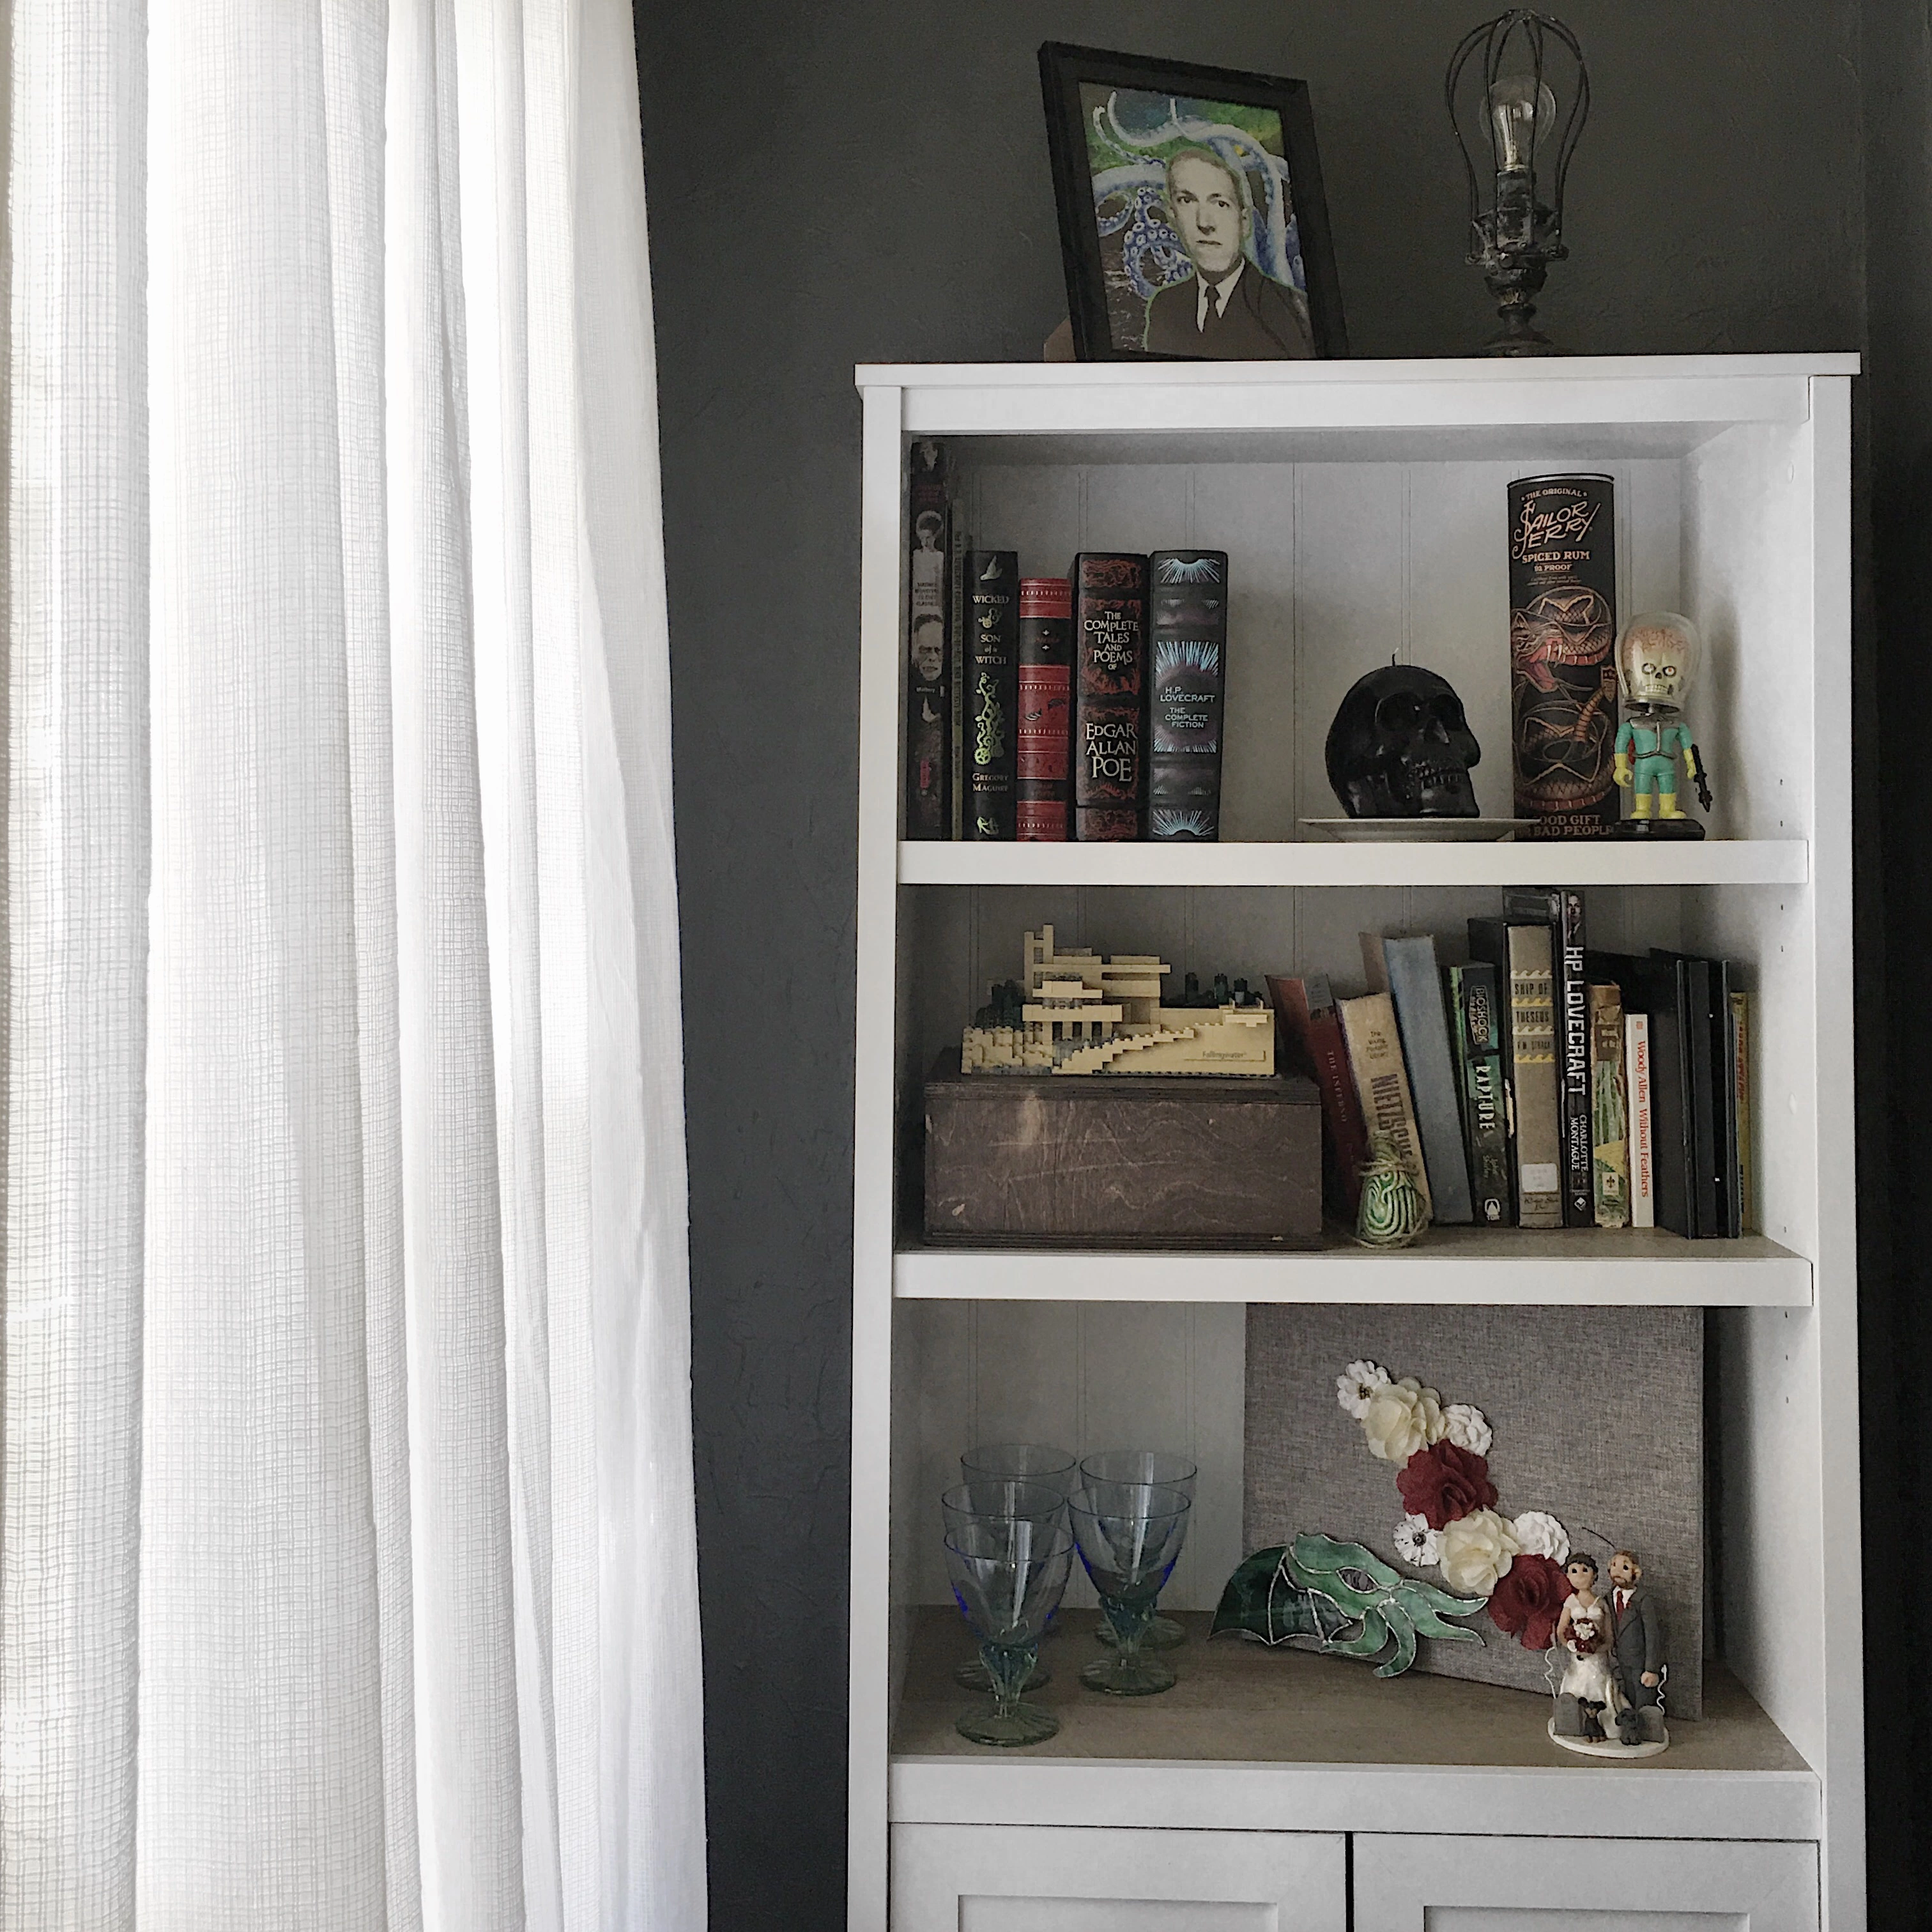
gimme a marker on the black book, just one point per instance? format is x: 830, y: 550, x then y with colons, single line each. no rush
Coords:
x: 1477, y: 1021
x: 1724, y: 1108
x: 1561, y: 909
x: 928, y: 680
x: 1109, y: 695
x: 1667, y: 999
x: 1187, y: 606
x: 992, y: 681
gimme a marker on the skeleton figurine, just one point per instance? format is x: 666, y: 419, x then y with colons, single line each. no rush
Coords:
x: 1656, y: 657
x: 1400, y: 747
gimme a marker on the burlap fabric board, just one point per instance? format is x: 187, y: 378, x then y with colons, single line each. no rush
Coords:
x: 1598, y: 1416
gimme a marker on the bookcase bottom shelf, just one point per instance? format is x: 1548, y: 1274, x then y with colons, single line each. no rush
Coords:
x: 1259, y: 1739
x: 1478, y: 1267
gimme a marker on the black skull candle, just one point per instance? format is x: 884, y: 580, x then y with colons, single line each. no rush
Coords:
x: 1401, y: 747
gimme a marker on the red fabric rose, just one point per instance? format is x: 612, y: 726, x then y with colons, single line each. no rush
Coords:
x: 1442, y: 1484
x: 1527, y: 1601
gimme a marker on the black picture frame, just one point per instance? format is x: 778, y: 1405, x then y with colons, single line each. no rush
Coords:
x: 1063, y: 71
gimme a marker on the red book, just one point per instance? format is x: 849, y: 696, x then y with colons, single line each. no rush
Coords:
x: 1046, y: 670
x: 1311, y: 1031
x: 1109, y: 695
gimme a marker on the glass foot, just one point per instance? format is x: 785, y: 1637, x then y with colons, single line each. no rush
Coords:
x: 975, y: 1676
x: 1024, y: 1724
x: 1162, y: 1633
x: 1121, y: 1676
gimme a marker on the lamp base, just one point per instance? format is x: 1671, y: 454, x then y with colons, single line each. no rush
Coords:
x: 1515, y: 281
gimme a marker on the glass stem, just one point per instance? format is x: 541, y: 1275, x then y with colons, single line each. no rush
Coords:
x: 1130, y: 1620
x: 1009, y: 1666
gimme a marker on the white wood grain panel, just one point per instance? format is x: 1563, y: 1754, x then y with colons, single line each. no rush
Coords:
x: 1407, y: 1883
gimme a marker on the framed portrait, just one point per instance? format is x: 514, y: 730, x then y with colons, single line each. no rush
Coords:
x: 1192, y: 222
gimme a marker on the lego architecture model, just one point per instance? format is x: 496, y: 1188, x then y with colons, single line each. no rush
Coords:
x: 1076, y: 1012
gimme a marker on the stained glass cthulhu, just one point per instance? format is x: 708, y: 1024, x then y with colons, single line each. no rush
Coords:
x: 1349, y: 1601
x: 1401, y: 747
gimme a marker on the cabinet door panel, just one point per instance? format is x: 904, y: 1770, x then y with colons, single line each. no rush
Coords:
x: 1417, y: 1884
x: 1002, y: 1878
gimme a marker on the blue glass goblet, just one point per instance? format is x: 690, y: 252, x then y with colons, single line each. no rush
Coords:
x: 1130, y: 1535
x: 1144, y: 1465
x: 1007, y: 1585
x: 1004, y: 1504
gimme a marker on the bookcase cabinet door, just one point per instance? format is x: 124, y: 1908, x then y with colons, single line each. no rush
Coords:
x: 1417, y: 1884
x: 1000, y: 1878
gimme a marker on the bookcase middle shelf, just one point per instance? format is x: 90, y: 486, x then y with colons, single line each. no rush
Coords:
x: 1477, y: 1266
x: 1716, y: 862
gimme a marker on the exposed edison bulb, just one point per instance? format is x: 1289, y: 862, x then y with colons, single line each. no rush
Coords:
x: 1522, y: 110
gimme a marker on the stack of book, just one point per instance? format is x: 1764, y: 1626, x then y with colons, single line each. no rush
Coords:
x: 1083, y: 707
x: 1540, y: 1084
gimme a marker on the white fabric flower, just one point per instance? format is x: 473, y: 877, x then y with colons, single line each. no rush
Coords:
x: 1416, y: 1543
x: 1357, y: 1383
x: 1477, y: 1550
x: 1467, y: 1428
x: 1401, y: 1418
x: 1539, y: 1534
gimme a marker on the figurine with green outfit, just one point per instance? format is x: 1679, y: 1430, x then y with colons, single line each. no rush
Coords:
x: 1657, y: 657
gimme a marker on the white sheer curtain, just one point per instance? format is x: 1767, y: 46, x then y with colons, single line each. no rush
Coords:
x: 347, y: 1568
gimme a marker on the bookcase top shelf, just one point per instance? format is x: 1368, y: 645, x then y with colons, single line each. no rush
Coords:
x: 1472, y: 1266
x: 1739, y: 861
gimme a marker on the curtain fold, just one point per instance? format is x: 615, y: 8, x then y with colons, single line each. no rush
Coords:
x: 349, y: 1575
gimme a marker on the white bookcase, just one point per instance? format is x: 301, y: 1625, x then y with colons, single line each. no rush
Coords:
x: 1362, y: 505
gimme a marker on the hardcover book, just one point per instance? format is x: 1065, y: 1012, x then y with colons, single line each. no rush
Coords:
x: 1727, y: 1216
x: 1381, y: 1081
x: 959, y: 770
x: 1476, y: 1021
x: 1311, y: 1031
x: 928, y: 685
x: 1564, y: 911
x: 1045, y: 707
x: 1415, y: 986
x: 1539, y: 1153
x: 1609, y: 1109
x: 992, y: 673
x: 1740, y: 1040
x: 1109, y: 695
x: 1675, y: 1167
x: 1642, y: 1139
x: 1187, y: 605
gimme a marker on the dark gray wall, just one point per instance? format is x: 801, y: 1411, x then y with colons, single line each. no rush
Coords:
x: 857, y: 181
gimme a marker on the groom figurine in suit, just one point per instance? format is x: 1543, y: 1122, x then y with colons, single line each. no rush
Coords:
x: 1227, y: 308
x: 1636, y: 1650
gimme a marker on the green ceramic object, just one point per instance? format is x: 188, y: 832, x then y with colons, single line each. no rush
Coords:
x: 1393, y: 1211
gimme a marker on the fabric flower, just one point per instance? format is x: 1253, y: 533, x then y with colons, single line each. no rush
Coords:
x: 1357, y: 1383
x: 1417, y: 1543
x: 1477, y: 1550
x: 1442, y: 1482
x: 1401, y: 1418
x: 1540, y: 1534
x: 1467, y: 1428
x: 1528, y: 1599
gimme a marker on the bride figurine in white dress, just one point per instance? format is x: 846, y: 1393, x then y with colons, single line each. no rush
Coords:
x: 1583, y: 1634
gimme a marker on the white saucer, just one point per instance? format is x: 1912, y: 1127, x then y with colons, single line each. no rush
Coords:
x: 1443, y: 831
x: 1606, y: 1747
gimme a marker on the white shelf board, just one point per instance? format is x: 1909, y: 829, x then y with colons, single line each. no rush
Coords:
x: 1471, y: 1267
x: 1575, y: 862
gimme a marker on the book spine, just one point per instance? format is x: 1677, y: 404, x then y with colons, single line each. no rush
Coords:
x: 1643, y: 1139
x: 1728, y: 1218
x: 958, y: 772
x: 1708, y: 1074
x: 1563, y: 679
x: 1382, y: 1080
x: 1539, y: 1163
x: 1045, y: 708
x: 1573, y: 988
x: 1415, y: 986
x: 1311, y: 1032
x: 1741, y: 1036
x: 1187, y: 609
x: 928, y: 730
x: 1478, y: 1018
x: 1609, y: 1109
x: 1109, y: 695
x: 992, y: 672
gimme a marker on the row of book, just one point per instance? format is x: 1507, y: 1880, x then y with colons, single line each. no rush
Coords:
x: 1047, y: 708
x: 1541, y: 1084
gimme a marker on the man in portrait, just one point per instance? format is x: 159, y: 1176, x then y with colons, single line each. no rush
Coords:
x: 1227, y: 308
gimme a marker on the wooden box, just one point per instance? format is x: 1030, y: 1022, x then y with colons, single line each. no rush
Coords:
x: 1122, y: 1160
